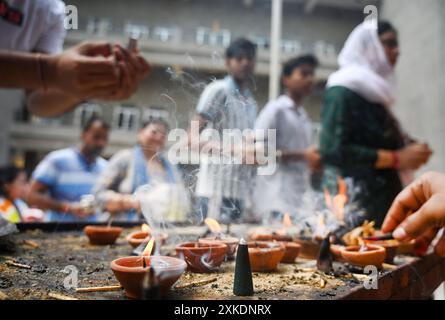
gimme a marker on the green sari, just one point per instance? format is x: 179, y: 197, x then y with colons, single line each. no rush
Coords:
x: 353, y: 129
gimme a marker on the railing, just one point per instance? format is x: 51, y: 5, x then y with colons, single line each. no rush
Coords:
x: 212, y: 40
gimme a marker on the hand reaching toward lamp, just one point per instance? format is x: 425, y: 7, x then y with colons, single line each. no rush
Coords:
x: 418, y: 212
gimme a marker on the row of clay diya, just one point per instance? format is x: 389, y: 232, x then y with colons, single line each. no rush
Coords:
x: 207, y: 253
x: 364, y: 246
x: 367, y: 246
x: 360, y: 255
x: 204, y: 255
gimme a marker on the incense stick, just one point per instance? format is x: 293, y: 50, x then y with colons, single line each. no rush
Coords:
x: 387, y: 236
x: 18, y: 265
x: 31, y: 243
x: 59, y: 296
x: 99, y: 289
x: 196, y: 284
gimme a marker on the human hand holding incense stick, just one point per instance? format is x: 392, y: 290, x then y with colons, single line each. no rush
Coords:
x: 418, y: 212
x: 57, y: 83
x: 78, y: 71
x: 133, y: 67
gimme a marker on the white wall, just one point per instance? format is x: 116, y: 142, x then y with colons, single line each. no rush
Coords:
x: 421, y: 71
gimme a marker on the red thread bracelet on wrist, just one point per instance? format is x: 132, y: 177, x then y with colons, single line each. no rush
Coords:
x: 41, y: 72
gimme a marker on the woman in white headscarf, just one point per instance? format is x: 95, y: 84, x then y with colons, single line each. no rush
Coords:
x: 360, y: 137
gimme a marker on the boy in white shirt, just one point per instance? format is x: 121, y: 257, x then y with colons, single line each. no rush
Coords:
x: 282, y: 191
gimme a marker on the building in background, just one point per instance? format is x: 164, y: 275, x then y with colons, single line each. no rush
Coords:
x: 420, y: 72
x: 185, y: 40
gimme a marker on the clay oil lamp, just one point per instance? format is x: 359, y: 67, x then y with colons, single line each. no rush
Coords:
x: 310, y: 245
x: 336, y: 250
x: 364, y: 255
x: 366, y: 234
x: 200, y: 257
x: 132, y: 272
x: 137, y: 238
x: 264, y: 256
x: 219, y: 237
x: 386, y: 241
x: 102, y: 235
x: 292, y: 249
x: 269, y: 234
x: 392, y: 246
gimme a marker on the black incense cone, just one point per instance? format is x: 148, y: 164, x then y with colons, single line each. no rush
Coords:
x: 324, y: 260
x: 150, y: 286
x: 242, y: 284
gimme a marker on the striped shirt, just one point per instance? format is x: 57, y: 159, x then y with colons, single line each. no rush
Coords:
x: 68, y: 176
x: 225, y: 107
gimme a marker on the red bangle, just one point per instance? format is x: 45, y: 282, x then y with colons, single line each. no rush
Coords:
x: 395, y: 160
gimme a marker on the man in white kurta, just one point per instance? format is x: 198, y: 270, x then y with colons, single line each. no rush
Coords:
x: 283, y: 190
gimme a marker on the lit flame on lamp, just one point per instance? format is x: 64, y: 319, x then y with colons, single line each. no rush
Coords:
x: 147, y: 251
x: 338, y: 202
x: 146, y: 228
x: 320, y: 231
x: 287, y: 223
x: 213, y: 225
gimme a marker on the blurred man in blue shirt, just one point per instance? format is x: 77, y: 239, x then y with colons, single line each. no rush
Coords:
x: 64, y: 176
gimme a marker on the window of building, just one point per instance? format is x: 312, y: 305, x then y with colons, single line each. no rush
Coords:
x: 136, y: 30
x: 164, y: 34
x: 262, y: 43
x: 155, y: 112
x: 99, y: 26
x: 290, y: 46
x: 206, y: 36
x: 85, y: 112
x: 325, y: 50
x: 126, y: 118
